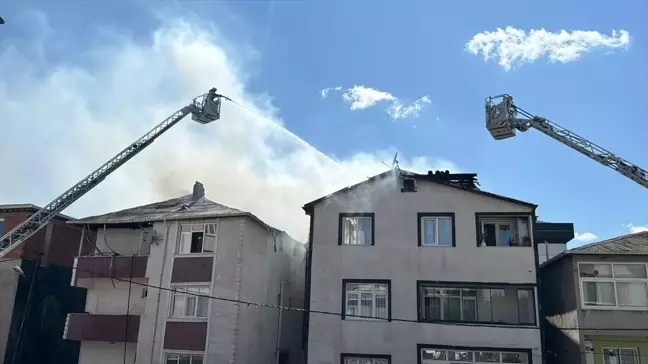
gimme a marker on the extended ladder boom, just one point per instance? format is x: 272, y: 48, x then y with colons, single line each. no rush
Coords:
x: 502, y: 121
x: 204, y: 109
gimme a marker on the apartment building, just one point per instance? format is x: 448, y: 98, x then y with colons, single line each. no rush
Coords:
x: 34, y: 278
x: 195, y: 250
x: 422, y: 268
x: 595, y: 302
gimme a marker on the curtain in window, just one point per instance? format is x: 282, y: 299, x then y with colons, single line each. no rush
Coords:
x: 632, y: 294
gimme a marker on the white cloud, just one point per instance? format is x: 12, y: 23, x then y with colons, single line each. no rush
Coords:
x: 65, y: 120
x: 585, y: 236
x: 512, y: 47
x: 636, y: 228
x: 361, y: 97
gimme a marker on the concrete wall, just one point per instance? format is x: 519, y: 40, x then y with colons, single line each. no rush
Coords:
x: 123, y: 241
x: 105, y: 299
x: 397, y: 257
x: 106, y: 353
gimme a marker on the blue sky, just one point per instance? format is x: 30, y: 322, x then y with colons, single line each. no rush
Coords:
x: 109, y: 62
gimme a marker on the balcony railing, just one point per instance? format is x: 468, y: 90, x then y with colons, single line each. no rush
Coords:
x: 111, y: 328
x: 111, y: 267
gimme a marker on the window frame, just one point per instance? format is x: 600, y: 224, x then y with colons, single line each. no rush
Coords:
x: 504, y: 216
x: 343, y: 315
x: 422, y: 215
x: 477, y: 286
x: 344, y: 215
x: 421, y: 347
x: 204, y: 232
x: 175, y: 289
x: 637, y: 357
x: 614, y: 280
x: 344, y: 356
x: 166, y: 353
x: 1, y: 226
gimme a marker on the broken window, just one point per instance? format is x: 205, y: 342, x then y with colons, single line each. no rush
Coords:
x: 503, y: 231
x: 197, y: 238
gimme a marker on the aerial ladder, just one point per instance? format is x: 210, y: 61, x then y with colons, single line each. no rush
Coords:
x: 203, y: 109
x: 503, y: 120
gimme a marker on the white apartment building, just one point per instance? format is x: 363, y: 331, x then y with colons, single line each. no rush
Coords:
x: 197, y: 251
x: 423, y: 268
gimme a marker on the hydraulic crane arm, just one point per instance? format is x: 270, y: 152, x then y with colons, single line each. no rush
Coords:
x: 204, y: 109
x: 502, y: 121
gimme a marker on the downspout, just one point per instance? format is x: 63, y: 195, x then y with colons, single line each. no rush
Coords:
x: 159, y: 295
x: 239, y: 272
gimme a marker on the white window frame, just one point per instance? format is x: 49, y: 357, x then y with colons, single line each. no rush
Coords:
x: 205, y: 228
x: 512, y: 221
x: 374, y: 292
x: 614, y: 281
x: 467, y: 350
x: 166, y: 354
x: 356, y: 359
x: 181, y: 290
x: 436, y: 219
x: 635, y: 351
x: 358, y: 217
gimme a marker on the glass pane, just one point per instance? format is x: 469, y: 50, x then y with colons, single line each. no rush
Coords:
x: 184, y: 246
x: 628, y: 356
x: 366, y: 304
x: 210, y: 244
x: 526, y: 306
x: 484, y: 307
x: 198, y: 227
x: 460, y: 356
x: 211, y: 229
x: 504, y: 235
x: 352, y: 287
x: 514, y: 358
x: 595, y: 270
x: 505, y: 305
x: 632, y: 294
x: 172, y: 359
x: 185, y: 228
x: 381, y: 361
x: 452, y: 308
x: 599, y: 293
x: 381, y: 306
x: 185, y: 359
x: 203, y: 304
x: 350, y: 361
x: 196, y: 359
x: 432, y: 308
x: 350, y: 227
x: 367, y: 287
x: 445, y: 231
x: 191, y: 306
x: 630, y: 271
x: 432, y: 354
x: 489, y: 234
x: 610, y: 356
x: 381, y: 287
x: 487, y: 357
x: 469, y: 309
x: 179, y: 306
x: 364, y: 230
x: 429, y: 231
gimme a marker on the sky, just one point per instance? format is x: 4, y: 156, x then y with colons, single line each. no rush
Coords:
x: 330, y: 91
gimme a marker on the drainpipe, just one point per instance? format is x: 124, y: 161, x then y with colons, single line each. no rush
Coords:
x: 159, y: 295
x: 278, y: 348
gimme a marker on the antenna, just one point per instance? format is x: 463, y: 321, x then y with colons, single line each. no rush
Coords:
x: 395, y: 162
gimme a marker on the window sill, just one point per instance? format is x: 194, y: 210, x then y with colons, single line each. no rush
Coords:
x: 514, y: 246
x: 187, y: 319
x: 614, y: 308
x: 481, y: 324
x: 363, y: 245
x: 362, y: 319
x: 193, y: 255
x: 436, y: 246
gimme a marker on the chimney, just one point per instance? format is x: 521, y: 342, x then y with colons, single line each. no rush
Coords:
x: 198, y: 191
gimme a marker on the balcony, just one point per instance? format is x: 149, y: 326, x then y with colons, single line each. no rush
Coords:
x: 111, y: 267
x: 111, y: 328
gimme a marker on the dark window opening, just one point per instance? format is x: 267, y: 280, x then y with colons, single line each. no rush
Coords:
x: 196, y: 242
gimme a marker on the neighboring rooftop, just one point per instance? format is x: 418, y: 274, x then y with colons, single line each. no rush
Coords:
x: 631, y: 244
x: 27, y: 207
x: 193, y: 206
x: 464, y: 181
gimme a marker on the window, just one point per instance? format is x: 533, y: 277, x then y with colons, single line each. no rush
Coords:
x: 433, y: 355
x: 621, y: 356
x: 186, y: 303
x: 491, y: 305
x: 436, y: 229
x: 173, y: 358
x: 1, y: 223
x: 614, y: 285
x: 503, y: 230
x: 356, y: 229
x: 365, y: 359
x: 368, y: 299
x: 197, y: 238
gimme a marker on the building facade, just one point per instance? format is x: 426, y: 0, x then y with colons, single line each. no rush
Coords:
x: 158, y: 274
x: 45, y: 259
x: 421, y: 269
x: 595, y: 303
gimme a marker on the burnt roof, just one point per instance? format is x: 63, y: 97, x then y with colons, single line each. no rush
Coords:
x: 179, y: 208
x: 27, y: 207
x: 630, y: 244
x: 463, y: 181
